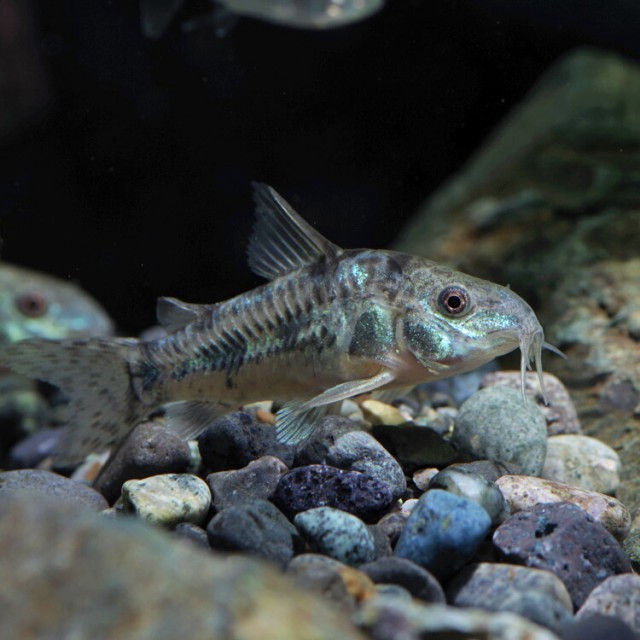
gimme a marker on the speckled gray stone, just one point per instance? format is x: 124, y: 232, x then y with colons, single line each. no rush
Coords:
x: 359, y: 451
x: 168, y: 499
x: 337, y: 534
x: 495, y: 424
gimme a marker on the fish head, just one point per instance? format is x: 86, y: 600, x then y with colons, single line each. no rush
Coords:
x: 36, y: 305
x: 457, y: 322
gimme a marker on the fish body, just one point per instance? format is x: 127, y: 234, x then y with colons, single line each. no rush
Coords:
x: 330, y: 324
x: 37, y: 305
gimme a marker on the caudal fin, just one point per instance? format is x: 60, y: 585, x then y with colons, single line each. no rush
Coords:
x: 95, y: 375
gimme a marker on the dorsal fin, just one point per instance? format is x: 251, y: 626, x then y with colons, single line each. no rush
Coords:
x: 173, y: 314
x: 282, y: 241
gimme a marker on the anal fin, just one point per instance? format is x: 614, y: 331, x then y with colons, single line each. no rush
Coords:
x: 188, y: 419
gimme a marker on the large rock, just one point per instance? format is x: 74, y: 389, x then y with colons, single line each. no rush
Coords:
x: 143, y: 583
x: 550, y: 205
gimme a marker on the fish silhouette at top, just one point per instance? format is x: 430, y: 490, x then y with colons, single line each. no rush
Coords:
x: 330, y: 324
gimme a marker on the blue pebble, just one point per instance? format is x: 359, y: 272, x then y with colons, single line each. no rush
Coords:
x: 443, y: 532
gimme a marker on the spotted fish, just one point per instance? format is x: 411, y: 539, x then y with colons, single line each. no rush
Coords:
x: 330, y: 324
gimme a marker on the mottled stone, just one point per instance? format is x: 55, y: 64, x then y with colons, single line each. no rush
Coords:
x: 359, y: 451
x: 50, y: 485
x: 566, y: 540
x: 537, y: 595
x: 168, y: 499
x: 524, y: 492
x: 389, y: 618
x: 559, y: 412
x: 150, y: 449
x: 392, y: 524
x: 258, y: 480
x: 236, y: 439
x: 400, y: 571
x: 631, y: 544
x: 598, y: 627
x: 143, y: 583
x: 468, y: 484
x: 324, y: 486
x: 617, y: 596
x: 422, y: 477
x: 256, y: 528
x: 583, y: 462
x: 443, y: 532
x: 377, y: 412
x: 338, y: 534
x: 495, y: 424
x: 415, y: 447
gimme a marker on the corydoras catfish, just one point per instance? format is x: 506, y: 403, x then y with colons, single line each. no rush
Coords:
x: 330, y: 324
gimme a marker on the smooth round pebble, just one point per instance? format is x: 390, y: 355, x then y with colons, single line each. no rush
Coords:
x: 257, y: 528
x: 337, y: 534
x: 494, y: 424
x: 490, y: 470
x: 393, y: 591
x: 318, y: 485
x: 329, y: 429
x: 377, y: 412
x: 537, y: 595
x: 359, y: 451
x: 392, y: 524
x: 443, y: 532
x: 619, y: 597
x: 193, y: 534
x: 522, y: 493
x: 51, y: 485
x: 582, y: 462
x: 422, y: 477
x: 168, y: 499
x: 149, y: 450
x: 468, y: 484
x: 28, y: 452
x: 599, y: 627
x: 564, y: 539
x: 258, y: 480
x: 407, y: 574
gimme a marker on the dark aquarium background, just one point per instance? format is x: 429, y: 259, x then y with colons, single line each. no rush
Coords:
x: 126, y: 162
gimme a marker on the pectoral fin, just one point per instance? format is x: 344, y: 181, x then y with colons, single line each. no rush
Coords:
x: 296, y: 421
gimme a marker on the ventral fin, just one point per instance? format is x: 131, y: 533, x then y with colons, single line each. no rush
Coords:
x: 282, y: 241
x: 188, y: 419
x: 173, y: 314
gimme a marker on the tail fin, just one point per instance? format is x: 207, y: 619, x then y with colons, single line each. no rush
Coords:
x: 95, y: 374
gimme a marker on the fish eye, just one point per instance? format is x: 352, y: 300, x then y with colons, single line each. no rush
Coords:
x: 453, y: 301
x: 31, y: 304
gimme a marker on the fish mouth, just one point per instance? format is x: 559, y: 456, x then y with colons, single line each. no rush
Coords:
x: 531, y: 345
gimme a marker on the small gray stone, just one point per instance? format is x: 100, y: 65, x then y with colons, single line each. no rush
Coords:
x: 149, y: 450
x: 617, y: 596
x: 495, y: 424
x: 532, y: 593
x: 193, y: 534
x: 393, y: 591
x: 329, y: 429
x: 168, y: 499
x: 392, y: 524
x: 51, y: 485
x: 490, y: 470
x: 359, y: 451
x: 583, y: 462
x: 258, y: 480
x: 598, y: 627
x: 338, y: 534
x: 463, y: 482
x: 381, y: 541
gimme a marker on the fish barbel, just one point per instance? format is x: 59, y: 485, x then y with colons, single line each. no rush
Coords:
x: 330, y: 324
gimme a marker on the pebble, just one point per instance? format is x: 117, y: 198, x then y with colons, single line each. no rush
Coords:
x: 564, y: 539
x: 324, y: 486
x: 329, y: 429
x: 377, y: 412
x: 30, y: 451
x: 193, y: 534
x: 51, y: 485
x: 490, y: 470
x: 582, y: 462
x: 257, y: 528
x: 394, y: 619
x: 494, y: 424
x: 359, y: 451
x: 465, y: 483
x: 560, y: 412
x: 381, y: 542
x: 631, y: 545
x: 523, y: 493
x: 619, y: 597
x: 338, y: 534
x: 599, y: 627
x: 534, y: 594
x: 236, y: 439
x: 443, y: 532
x: 258, y: 479
x: 392, y: 524
x: 168, y: 499
x: 415, y: 447
x: 393, y: 591
x: 422, y: 477
x: 405, y: 573
x: 150, y: 449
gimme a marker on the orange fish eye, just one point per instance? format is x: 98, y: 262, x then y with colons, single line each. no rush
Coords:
x: 453, y: 301
x: 31, y: 304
